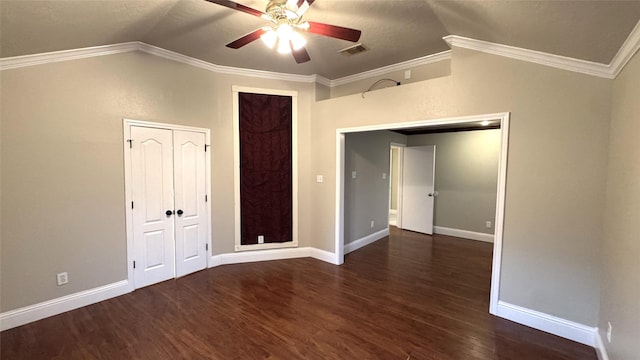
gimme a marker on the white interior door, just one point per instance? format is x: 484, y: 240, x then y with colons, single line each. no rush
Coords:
x: 418, y: 177
x: 190, y: 217
x: 152, y: 194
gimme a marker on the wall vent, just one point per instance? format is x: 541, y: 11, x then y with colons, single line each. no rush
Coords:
x: 352, y: 50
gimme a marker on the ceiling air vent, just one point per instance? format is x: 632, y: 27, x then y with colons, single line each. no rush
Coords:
x: 352, y: 50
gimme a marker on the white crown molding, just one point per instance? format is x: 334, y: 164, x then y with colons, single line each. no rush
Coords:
x: 65, y: 55
x: 429, y: 59
x: 220, y: 69
x: 626, y: 52
x: 537, y: 57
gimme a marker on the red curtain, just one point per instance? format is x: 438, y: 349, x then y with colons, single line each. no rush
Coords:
x: 265, y: 168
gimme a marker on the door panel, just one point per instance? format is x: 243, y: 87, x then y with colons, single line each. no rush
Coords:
x: 191, y: 225
x: 417, y: 183
x: 152, y: 191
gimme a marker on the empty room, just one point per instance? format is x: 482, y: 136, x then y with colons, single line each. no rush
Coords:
x: 188, y: 179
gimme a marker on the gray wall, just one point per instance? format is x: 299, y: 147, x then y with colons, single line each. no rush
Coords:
x: 466, y: 177
x: 620, y: 300
x: 555, y: 173
x: 366, y: 197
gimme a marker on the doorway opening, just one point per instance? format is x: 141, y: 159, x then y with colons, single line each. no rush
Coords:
x: 460, y: 122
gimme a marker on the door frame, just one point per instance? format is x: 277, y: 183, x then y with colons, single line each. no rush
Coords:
x: 500, y: 196
x: 126, y: 124
x: 400, y: 148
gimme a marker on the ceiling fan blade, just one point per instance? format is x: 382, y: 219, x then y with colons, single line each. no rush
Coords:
x: 239, y: 7
x: 334, y: 31
x: 252, y: 36
x: 309, y: 2
x: 301, y: 55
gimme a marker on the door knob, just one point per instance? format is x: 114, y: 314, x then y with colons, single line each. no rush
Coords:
x: 430, y: 194
x: 169, y: 212
x: 179, y: 212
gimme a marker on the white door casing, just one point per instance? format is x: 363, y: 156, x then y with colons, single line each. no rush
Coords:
x: 152, y: 191
x: 190, y: 217
x: 418, y: 193
x: 166, y: 169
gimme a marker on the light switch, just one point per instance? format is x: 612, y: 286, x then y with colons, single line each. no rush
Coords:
x: 319, y: 178
x: 384, y: 176
x: 353, y: 174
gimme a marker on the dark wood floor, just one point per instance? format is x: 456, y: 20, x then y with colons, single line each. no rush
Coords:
x: 410, y: 296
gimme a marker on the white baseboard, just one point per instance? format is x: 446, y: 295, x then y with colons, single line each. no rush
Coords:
x: 364, y: 241
x: 271, y: 254
x: 323, y: 255
x: 548, y: 323
x: 463, y: 234
x: 601, y: 349
x: 27, y: 314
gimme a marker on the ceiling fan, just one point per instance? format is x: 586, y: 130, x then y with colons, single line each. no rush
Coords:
x: 287, y: 26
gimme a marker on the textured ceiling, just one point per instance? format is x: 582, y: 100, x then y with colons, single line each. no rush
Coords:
x: 393, y: 30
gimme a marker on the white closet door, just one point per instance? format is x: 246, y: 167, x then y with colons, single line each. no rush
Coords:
x: 190, y: 220
x: 152, y: 191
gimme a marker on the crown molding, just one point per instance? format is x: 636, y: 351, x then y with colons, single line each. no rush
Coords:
x: 538, y: 57
x: 626, y: 52
x: 610, y: 71
x: 220, y: 69
x: 429, y: 59
x: 66, y: 55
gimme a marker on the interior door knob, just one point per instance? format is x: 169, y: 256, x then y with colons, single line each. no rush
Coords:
x: 430, y: 194
x: 169, y: 212
x: 179, y: 212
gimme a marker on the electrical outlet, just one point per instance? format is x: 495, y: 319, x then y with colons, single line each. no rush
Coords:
x: 372, y: 223
x: 488, y: 224
x: 609, y: 330
x: 407, y: 74
x: 63, y: 278
x: 260, y: 239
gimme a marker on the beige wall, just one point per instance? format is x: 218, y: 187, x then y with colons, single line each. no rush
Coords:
x: 555, y: 176
x: 620, y: 299
x: 466, y: 177
x: 63, y: 171
x: 418, y: 73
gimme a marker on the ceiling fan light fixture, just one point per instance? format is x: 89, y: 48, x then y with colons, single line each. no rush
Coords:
x: 269, y: 37
x: 297, y: 41
x: 284, y: 47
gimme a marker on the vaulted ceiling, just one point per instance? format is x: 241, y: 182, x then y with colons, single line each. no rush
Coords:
x: 393, y: 30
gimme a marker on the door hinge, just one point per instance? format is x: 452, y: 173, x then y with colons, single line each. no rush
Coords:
x: 205, y: 147
x: 206, y: 198
x: 132, y: 204
x: 134, y: 264
x: 130, y: 141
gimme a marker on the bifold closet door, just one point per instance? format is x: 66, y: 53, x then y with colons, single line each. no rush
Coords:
x: 170, y: 225
x: 152, y: 191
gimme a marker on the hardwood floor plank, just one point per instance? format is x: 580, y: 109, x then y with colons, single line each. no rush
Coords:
x: 409, y: 295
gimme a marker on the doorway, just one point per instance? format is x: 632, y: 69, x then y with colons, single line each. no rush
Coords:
x: 396, y: 155
x: 503, y: 118
x: 166, y: 183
